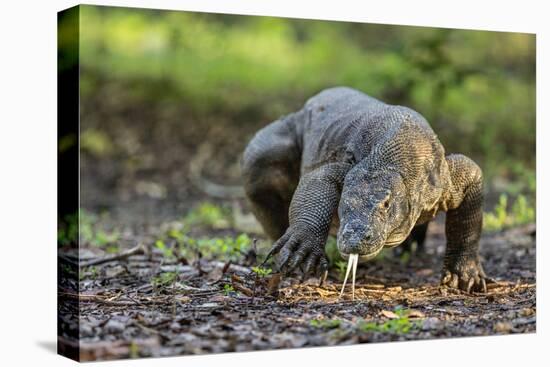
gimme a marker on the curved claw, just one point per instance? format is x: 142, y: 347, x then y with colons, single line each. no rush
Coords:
x: 465, y: 282
x: 311, y: 264
x: 483, y: 285
x: 322, y: 266
x: 470, y: 285
x: 465, y: 274
x: 454, y: 281
x: 286, y: 254
x: 297, y: 258
x: 446, y: 277
x: 323, y: 278
x: 298, y: 249
x: 277, y: 246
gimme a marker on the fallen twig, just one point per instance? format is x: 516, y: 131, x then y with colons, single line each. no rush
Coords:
x: 232, y: 267
x: 151, y: 331
x: 237, y: 283
x: 98, y: 299
x: 136, y: 250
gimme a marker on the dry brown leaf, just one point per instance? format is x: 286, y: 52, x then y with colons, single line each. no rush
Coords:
x: 236, y: 281
x: 374, y: 286
x: 389, y: 314
x: 416, y: 314
x: 273, y: 284
x: 527, y: 312
x: 503, y: 327
x: 395, y: 289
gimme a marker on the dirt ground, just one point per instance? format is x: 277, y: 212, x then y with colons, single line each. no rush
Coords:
x: 214, y: 306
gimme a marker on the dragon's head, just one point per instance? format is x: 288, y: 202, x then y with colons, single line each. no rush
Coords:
x: 374, y: 211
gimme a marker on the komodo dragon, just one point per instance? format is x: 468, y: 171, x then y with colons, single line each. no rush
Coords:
x: 370, y: 170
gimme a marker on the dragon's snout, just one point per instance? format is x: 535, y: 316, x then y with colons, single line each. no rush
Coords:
x: 355, y: 238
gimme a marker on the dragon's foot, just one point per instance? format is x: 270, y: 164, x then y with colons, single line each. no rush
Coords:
x: 300, y: 249
x: 465, y: 274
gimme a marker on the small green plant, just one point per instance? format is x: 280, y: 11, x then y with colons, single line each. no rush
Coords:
x: 520, y: 213
x: 91, y: 272
x: 325, y: 323
x: 175, y: 233
x: 498, y: 218
x: 228, y: 247
x: 400, y: 325
x: 261, y: 272
x: 187, y: 246
x: 164, y: 279
x: 86, y: 227
x: 67, y: 233
x: 101, y: 238
x: 67, y: 269
x: 66, y: 142
x: 522, y: 180
x: 341, y: 266
x: 83, y: 227
x: 208, y: 214
x: 96, y: 143
x: 331, y: 249
x: 94, y: 272
x: 166, y: 251
x: 228, y: 289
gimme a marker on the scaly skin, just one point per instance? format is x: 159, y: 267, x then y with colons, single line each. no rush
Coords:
x: 372, y: 170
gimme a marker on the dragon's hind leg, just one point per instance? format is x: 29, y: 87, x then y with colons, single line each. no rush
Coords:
x: 271, y: 169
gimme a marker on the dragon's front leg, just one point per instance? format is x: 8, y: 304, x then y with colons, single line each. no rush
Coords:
x: 462, y: 268
x: 311, y: 211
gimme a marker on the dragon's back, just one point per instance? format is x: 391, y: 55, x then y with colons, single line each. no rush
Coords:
x: 338, y: 118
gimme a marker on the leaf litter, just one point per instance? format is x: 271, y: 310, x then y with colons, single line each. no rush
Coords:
x: 147, y: 305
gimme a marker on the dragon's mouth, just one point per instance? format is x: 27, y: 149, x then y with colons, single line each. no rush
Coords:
x: 363, y: 257
x: 392, y: 241
x: 353, y: 260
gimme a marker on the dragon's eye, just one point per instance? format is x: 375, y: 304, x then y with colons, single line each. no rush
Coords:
x: 385, y: 204
x: 386, y: 201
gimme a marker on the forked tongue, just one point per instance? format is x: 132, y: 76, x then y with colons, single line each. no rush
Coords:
x: 352, y: 264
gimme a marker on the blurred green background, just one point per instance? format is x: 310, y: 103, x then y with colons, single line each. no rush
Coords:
x: 156, y: 84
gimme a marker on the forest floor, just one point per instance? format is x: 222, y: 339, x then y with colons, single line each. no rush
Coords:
x: 146, y: 301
